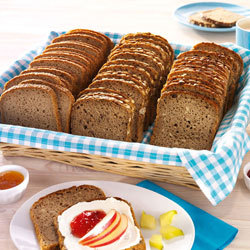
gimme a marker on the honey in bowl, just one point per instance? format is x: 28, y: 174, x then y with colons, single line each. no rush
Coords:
x: 9, y: 179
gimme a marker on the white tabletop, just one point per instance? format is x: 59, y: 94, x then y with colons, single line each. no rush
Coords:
x: 27, y: 23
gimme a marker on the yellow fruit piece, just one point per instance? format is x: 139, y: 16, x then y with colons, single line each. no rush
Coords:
x: 169, y: 232
x: 147, y: 221
x: 166, y: 218
x: 156, y: 241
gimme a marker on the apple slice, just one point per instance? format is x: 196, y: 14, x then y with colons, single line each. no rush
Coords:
x: 115, y: 223
x: 101, y: 226
x: 114, y: 235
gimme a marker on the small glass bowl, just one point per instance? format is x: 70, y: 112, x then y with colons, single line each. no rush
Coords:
x: 13, y: 194
x: 246, y: 178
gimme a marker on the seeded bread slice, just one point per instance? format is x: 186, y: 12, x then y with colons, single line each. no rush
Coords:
x: 30, y: 105
x: 140, y: 246
x: 151, y: 37
x: 237, y: 60
x: 65, y: 101
x: 221, y: 17
x: 44, y: 211
x: 185, y: 120
x: 102, y: 116
x: 133, y: 91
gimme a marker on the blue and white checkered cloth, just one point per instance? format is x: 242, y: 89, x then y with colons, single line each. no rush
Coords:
x: 214, y: 171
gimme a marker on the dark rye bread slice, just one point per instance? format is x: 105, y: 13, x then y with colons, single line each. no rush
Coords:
x: 86, y: 38
x: 185, y: 120
x: 33, y: 75
x: 103, y: 116
x: 46, y: 209
x: 133, y: 91
x: 80, y: 60
x: 196, y: 18
x: 30, y: 105
x: 86, y: 31
x: 94, y: 61
x: 70, y: 67
x: 65, y: 77
x: 140, y: 246
x: 148, y: 36
x: 79, y: 46
x: 237, y: 60
x: 221, y: 17
x: 65, y: 101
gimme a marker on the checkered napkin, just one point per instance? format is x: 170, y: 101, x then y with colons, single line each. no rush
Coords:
x: 214, y: 171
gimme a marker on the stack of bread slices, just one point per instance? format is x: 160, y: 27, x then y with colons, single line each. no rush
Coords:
x: 200, y: 88
x: 121, y: 101
x: 42, y: 96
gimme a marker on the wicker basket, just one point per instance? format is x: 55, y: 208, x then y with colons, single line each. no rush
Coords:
x: 171, y: 174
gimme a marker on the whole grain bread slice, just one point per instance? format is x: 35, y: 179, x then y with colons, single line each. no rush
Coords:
x: 152, y: 38
x: 133, y: 91
x: 185, y: 120
x: 46, y: 209
x: 102, y: 116
x: 221, y: 17
x: 65, y: 101
x: 140, y: 246
x: 30, y: 105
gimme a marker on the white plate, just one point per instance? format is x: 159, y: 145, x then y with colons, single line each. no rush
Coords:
x: 23, y: 235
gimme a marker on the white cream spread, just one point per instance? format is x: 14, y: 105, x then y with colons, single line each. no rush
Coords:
x: 130, y: 238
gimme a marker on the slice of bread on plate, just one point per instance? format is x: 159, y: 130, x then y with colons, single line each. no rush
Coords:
x: 113, y: 208
x: 221, y: 17
x: 43, y: 211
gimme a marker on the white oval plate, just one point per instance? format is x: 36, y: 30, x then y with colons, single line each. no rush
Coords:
x: 23, y: 235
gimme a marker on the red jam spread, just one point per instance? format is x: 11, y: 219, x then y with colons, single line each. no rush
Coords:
x: 248, y: 173
x: 9, y: 179
x: 85, y: 221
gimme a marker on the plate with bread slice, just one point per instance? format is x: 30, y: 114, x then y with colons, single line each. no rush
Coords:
x: 100, y: 215
x: 211, y: 16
